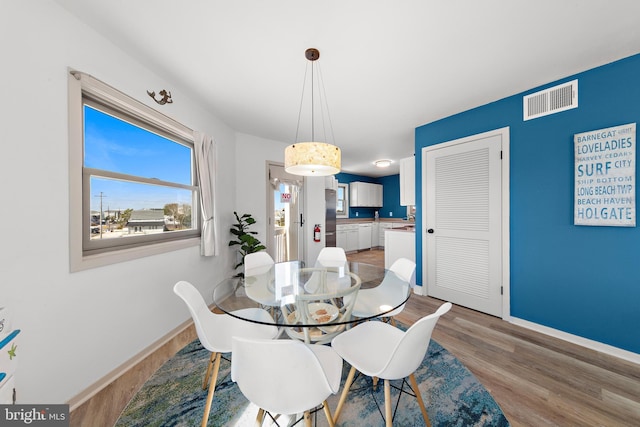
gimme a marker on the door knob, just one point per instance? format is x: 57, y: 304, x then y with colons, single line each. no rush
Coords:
x: 430, y: 231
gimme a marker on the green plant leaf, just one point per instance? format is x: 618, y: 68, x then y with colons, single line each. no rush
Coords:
x: 245, y: 237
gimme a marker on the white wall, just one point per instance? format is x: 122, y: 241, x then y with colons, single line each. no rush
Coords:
x: 78, y: 327
x: 252, y: 153
x: 315, y: 214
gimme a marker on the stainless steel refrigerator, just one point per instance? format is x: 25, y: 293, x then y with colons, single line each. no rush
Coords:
x: 330, y: 218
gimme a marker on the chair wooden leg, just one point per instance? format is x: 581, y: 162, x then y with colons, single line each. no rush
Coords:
x: 343, y: 396
x: 259, y: 417
x: 212, y: 387
x: 375, y: 383
x: 327, y: 413
x: 416, y: 391
x: 207, y: 375
x: 387, y: 403
x: 307, y: 419
x: 393, y: 321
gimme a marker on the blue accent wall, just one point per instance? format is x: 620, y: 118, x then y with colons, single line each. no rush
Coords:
x: 390, y: 196
x: 581, y: 280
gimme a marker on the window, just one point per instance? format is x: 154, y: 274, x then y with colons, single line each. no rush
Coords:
x: 133, y: 180
x: 342, y: 201
x: 411, y: 212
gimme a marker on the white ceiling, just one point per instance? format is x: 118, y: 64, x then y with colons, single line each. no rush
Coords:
x: 387, y: 66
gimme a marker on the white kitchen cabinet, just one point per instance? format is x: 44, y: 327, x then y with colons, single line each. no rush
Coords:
x: 347, y: 237
x: 375, y: 234
x: 364, y: 236
x: 384, y: 226
x: 365, y: 194
x: 358, y: 194
x: 352, y: 239
x: 331, y: 183
x: 377, y: 195
x: 341, y: 238
x: 399, y: 244
x: 407, y: 182
x: 355, y: 194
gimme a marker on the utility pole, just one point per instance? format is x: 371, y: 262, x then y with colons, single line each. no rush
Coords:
x: 101, y: 197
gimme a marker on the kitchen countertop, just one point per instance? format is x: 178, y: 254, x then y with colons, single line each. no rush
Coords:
x: 409, y: 229
x: 364, y: 220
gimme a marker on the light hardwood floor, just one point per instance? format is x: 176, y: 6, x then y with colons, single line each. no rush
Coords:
x: 537, y: 380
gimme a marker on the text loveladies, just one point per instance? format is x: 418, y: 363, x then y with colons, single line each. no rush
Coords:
x: 605, y: 177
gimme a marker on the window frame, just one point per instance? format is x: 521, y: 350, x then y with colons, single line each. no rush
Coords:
x: 344, y: 214
x: 83, y: 87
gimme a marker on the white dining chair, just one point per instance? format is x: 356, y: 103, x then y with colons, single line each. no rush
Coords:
x: 256, y: 267
x: 380, y: 350
x: 316, y: 312
x: 331, y: 255
x: 285, y: 377
x: 216, y: 330
x: 393, y: 289
x: 334, y: 260
x: 256, y: 262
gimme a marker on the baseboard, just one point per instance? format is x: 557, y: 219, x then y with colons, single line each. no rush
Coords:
x: 575, y: 339
x: 102, y: 383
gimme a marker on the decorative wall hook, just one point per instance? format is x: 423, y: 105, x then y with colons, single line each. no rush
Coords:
x: 165, y: 97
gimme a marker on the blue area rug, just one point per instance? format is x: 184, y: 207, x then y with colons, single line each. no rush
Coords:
x: 173, y: 396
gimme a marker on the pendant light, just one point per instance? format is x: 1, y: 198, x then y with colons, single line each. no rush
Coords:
x: 312, y: 158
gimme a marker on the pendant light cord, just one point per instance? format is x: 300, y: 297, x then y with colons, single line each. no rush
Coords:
x: 313, y: 138
x: 304, y: 84
x: 323, y: 105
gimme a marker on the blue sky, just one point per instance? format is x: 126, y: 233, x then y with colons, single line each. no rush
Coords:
x: 114, y: 145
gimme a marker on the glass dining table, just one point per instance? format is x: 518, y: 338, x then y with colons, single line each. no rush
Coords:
x: 316, y: 303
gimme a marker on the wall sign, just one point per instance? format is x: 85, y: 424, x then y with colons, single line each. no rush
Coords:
x: 605, y: 177
x: 285, y: 197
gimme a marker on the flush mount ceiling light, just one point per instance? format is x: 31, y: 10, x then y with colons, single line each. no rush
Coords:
x: 383, y: 163
x: 312, y: 158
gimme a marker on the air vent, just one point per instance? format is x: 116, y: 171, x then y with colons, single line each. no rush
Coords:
x: 550, y: 101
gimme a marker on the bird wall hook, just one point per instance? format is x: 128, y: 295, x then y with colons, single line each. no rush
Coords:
x: 165, y: 97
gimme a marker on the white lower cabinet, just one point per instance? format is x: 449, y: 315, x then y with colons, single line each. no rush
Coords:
x: 352, y: 239
x: 399, y: 244
x: 347, y: 237
x: 341, y: 238
x: 364, y: 236
x: 375, y: 234
x: 384, y: 226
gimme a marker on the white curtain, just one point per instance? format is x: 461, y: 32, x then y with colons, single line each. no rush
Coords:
x: 206, y: 166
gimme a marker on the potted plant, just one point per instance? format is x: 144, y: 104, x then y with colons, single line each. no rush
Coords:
x: 244, y: 238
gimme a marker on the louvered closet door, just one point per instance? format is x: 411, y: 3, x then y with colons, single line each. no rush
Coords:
x: 463, y: 224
